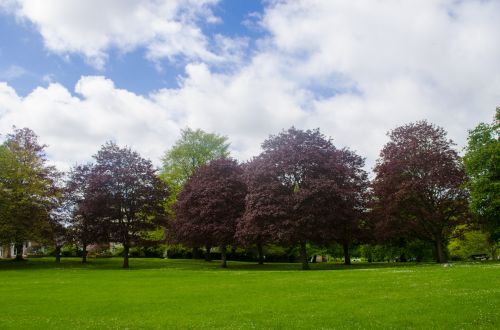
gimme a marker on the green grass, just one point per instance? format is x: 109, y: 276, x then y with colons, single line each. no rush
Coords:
x: 185, y: 294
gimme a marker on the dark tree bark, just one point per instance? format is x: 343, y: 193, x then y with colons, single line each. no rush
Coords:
x: 440, y: 255
x: 208, y: 256
x: 223, y: 252
x: 303, y: 256
x: 84, y: 253
x: 58, y: 253
x: 19, y: 251
x: 196, y: 253
x: 260, y: 251
x: 347, y: 257
x: 126, y: 249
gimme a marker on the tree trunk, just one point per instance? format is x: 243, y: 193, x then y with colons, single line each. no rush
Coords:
x: 313, y: 259
x: 347, y: 257
x: 126, y: 249
x: 223, y: 256
x: 84, y: 253
x: 208, y: 256
x: 196, y: 253
x: 303, y: 256
x: 19, y: 251
x: 58, y: 253
x: 260, y: 251
x: 440, y: 255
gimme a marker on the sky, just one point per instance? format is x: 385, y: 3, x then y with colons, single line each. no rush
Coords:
x: 80, y: 73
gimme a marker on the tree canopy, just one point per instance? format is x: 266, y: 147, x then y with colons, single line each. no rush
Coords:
x: 30, y: 190
x: 419, y: 186
x: 209, y: 206
x: 482, y: 163
x: 193, y: 149
x: 301, y: 190
x: 126, y: 195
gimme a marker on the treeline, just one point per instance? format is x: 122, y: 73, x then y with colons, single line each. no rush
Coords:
x: 302, y: 192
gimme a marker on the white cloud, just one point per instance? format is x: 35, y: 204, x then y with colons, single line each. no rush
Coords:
x: 74, y: 127
x: 166, y: 29
x: 354, y: 69
x: 392, y: 61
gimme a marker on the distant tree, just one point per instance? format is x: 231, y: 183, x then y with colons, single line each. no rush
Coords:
x: 209, y: 206
x: 340, y: 194
x: 254, y: 226
x: 302, y: 190
x: 8, y: 173
x: 482, y: 164
x: 83, y: 210
x: 193, y: 149
x: 29, y: 188
x: 470, y: 241
x: 127, y: 196
x: 418, y: 187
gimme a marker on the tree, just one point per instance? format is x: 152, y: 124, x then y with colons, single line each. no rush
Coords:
x: 82, y: 209
x: 341, y: 195
x: 254, y: 228
x: 8, y: 173
x: 209, y: 206
x: 127, y: 196
x: 193, y: 149
x: 30, y: 186
x: 482, y: 164
x: 418, y: 188
x: 299, y: 190
x: 469, y: 242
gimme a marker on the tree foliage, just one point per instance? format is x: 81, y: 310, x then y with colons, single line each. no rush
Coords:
x: 418, y: 186
x: 193, y: 149
x: 209, y: 206
x: 30, y: 191
x: 482, y: 163
x: 85, y: 225
x: 126, y: 195
x: 302, y: 190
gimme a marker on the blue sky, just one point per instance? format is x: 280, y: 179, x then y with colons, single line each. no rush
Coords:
x: 25, y: 63
x: 80, y: 73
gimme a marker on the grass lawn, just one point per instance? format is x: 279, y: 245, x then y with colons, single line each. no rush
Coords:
x: 186, y: 294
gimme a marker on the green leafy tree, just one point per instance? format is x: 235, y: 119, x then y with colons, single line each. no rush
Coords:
x: 8, y: 173
x: 482, y: 164
x: 469, y: 242
x: 193, y: 149
x: 29, y: 190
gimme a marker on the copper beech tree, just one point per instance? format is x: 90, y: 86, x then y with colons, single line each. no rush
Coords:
x: 418, y: 187
x: 209, y: 206
x: 85, y: 227
x: 124, y: 196
x: 302, y: 190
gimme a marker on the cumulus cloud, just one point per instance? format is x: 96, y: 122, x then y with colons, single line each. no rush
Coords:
x: 74, y: 126
x: 354, y: 69
x: 381, y: 64
x: 166, y: 29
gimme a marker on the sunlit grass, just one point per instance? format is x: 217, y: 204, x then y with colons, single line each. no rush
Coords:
x: 188, y: 294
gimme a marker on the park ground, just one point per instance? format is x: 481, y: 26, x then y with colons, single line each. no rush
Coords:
x: 187, y: 294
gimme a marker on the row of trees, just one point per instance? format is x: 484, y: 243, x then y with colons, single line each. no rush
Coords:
x: 300, y: 191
